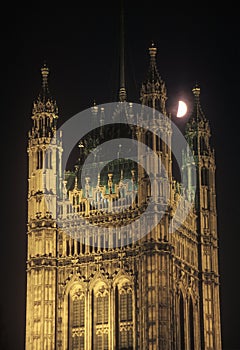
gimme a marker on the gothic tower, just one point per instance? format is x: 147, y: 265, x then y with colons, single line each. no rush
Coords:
x: 198, y: 135
x: 43, y: 185
x: 106, y: 291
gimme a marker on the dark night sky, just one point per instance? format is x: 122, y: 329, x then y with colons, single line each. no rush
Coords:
x: 80, y: 46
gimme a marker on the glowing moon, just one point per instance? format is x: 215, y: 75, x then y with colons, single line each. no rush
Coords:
x: 182, y: 109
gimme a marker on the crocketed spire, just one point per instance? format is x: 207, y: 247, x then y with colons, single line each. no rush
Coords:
x: 197, y: 112
x: 44, y: 101
x: 153, y: 91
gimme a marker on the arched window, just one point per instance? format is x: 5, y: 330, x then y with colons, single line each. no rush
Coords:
x: 76, y: 319
x: 40, y: 123
x: 48, y: 159
x: 181, y: 322
x: 191, y: 325
x: 101, y: 319
x: 67, y: 248
x: 78, y: 247
x: 39, y: 159
x: 124, y: 317
x: 159, y: 143
x: 149, y: 139
x: 204, y: 176
x: 203, y: 145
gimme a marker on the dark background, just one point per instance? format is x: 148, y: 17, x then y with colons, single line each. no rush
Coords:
x: 80, y: 45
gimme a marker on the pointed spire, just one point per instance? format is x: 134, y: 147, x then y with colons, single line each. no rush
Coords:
x: 122, y: 87
x: 153, y: 72
x: 197, y: 109
x: 153, y: 91
x: 94, y: 108
x: 45, y: 73
x: 197, y: 130
x: 45, y: 102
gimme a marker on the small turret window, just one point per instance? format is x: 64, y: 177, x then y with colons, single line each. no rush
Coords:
x: 40, y: 123
x: 39, y: 159
x: 149, y: 139
x: 203, y: 145
x: 48, y: 159
x: 204, y: 176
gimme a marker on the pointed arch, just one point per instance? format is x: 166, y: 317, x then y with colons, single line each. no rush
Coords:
x: 204, y: 176
x: 98, y: 281
x: 73, y: 313
x: 122, y: 279
x: 76, y: 305
x: 124, y: 299
x: 100, y: 315
x: 39, y: 159
x: 48, y: 158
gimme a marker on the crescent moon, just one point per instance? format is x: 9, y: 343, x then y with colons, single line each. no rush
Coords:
x: 182, y: 109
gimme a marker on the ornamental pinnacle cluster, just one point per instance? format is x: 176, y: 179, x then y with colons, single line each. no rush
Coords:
x: 107, y: 292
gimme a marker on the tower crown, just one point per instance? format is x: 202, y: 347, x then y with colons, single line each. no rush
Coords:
x: 198, y: 130
x: 44, y: 111
x: 44, y: 101
x: 197, y: 122
x: 153, y: 91
x: 197, y: 113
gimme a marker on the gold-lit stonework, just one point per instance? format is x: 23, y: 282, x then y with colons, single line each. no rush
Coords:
x: 160, y: 292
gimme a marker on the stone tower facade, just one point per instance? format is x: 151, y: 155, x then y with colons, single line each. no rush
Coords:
x: 107, y: 292
x: 198, y: 135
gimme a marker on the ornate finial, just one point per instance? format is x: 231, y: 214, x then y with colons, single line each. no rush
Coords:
x: 81, y: 144
x: 110, y: 182
x: 152, y: 50
x: 94, y: 108
x: 133, y: 175
x: 76, y: 183
x: 122, y: 94
x: 196, y: 90
x: 122, y: 88
x: 87, y: 185
x: 197, y: 110
x: 119, y: 151
x: 121, y: 175
x: 45, y: 73
x: 98, y: 180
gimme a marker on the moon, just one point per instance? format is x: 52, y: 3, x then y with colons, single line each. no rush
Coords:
x: 182, y: 109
